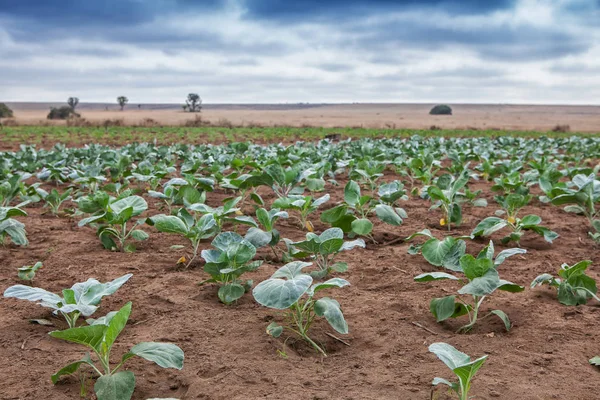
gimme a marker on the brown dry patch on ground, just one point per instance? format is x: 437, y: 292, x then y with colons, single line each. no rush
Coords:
x: 411, y: 116
x: 229, y: 355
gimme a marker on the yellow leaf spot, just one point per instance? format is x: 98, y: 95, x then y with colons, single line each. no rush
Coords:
x: 511, y: 220
x: 443, y: 222
x: 238, y: 212
x: 182, y: 260
x: 309, y: 226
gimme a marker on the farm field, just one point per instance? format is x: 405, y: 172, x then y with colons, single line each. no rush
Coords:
x: 372, y: 116
x: 258, y: 198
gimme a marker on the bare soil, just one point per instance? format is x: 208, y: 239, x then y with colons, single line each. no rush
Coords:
x: 228, y: 355
x: 392, y: 116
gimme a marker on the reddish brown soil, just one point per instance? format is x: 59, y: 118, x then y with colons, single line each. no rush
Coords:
x: 228, y: 355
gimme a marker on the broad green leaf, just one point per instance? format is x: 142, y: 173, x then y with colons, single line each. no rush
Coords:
x: 543, y: 278
x: 482, y: 286
x: 352, y: 193
x: 257, y: 237
x: 137, y: 203
x: 71, y: 368
x: 434, y: 276
x: 502, y: 315
x: 530, y: 220
x: 488, y: 226
x: 331, y: 246
x: 116, y: 325
x: 362, y: 226
x: 280, y: 293
x: 169, y: 224
x: 166, y: 355
x: 388, y: 214
x: 475, y: 267
x: 226, y: 239
x: 444, y: 253
x: 504, y: 254
x: 447, y: 307
x: 119, y: 386
x: 91, y: 336
x: 334, y: 214
x: 139, y: 234
x: 274, y: 329
x: 333, y: 282
x: 230, y: 292
x: 330, y: 309
x: 595, y: 361
x: 31, y: 293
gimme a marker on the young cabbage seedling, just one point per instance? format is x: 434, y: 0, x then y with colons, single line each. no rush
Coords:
x: 595, y: 361
x: 460, y: 364
x: 323, y: 249
x: 228, y: 212
x: 352, y: 216
x: 54, y: 199
x: 511, y: 205
x: 99, y: 337
x: 82, y: 299
x: 440, y: 253
x: 269, y: 236
x: 574, y: 286
x: 482, y: 279
x: 581, y: 199
x: 304, y: 205
x: 184, y: 224
x: 225, y: 264
x: 447, y: 196
x: 292, y: 290
x: 27, y: 272
x: 111, y: 216
x: 11, y: 228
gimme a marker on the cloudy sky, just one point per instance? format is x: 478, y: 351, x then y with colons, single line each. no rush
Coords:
x: 276, y: 51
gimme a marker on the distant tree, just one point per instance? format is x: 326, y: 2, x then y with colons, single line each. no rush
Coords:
x: 5, y: 112
x: 194, y: 102
x: 441, y: 109
x: 63, y: 112
x: 72, y: 102
x: 122, y: 100
x: 185, y: 107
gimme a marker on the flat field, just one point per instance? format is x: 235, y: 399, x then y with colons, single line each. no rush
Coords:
x: 379, y: 116
x: 228, y: 354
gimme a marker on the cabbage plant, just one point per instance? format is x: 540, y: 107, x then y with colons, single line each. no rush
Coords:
x: 110, y: 216
x: 511, y: 205
x: 268, y: 235
x: 99, y: 337
x: 184, y: 224
x: 304, y: 205
x: 461, y: 364
x: 290, y: 289
x: 12, y: 229
x: 231, y: 257
x: 573, y: 285
x: 481, y: 279
x: 81, y: 299
x: 323, y: 249
x: 27, y: 272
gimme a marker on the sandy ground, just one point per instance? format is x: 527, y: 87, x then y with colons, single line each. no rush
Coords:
x: 511, y: 117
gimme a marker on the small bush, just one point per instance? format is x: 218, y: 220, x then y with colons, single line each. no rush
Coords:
x: 197, y: 121
x: 78, y: 121
x: 435, y: 128
x: 113, y: 122
x: 149, y: 123
x: 441, y: 109
x: 561, y: 128
x: 63, y: 112
x: 5, y: 112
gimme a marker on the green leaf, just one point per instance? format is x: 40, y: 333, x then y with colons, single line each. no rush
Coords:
x: 362, y: 226
x: 529, y: 220
x: 330, y: 309
x: 137, y: 203
x: 169, y: 224
x: 119, y: 386
x: 444, y: 253
x: 388, y: 214
x: 274, y: 329
x: 434, y: 276
x: 333, y: 282
x: 542, y: 279
x: 331, y: 246
x: 475, y: 267
x: 352, y: 193
x: 447, y: 307
x: 502, y: 315
x: 279, y: 293
x: 91, y: 336
x: 231, y: 292
x: 482, y: 286
x: 116, y: 325
x: 166, y: 355
x: 334, y: 214
x: 595, y: 361
x: 459, y: 363
x: 488, y: 226
x: 71, y: 368
x: 139, y: 234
